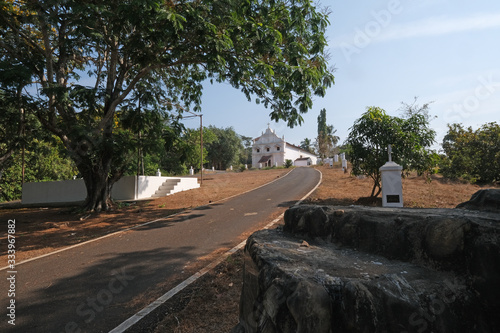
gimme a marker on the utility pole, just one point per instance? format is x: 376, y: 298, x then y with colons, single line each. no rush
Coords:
x: 201, y: 136
x: 23, y: 136
x: 201, y: 149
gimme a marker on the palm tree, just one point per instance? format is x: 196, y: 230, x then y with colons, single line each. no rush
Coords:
x: 306, y: 145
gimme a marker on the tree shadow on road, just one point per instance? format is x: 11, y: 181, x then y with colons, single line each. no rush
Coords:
x: 54, y: 228
x: 102, y: 296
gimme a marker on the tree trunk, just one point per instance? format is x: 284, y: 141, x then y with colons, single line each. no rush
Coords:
x: 96, y: 175
x: 98, y: 194
x: 376, y: 186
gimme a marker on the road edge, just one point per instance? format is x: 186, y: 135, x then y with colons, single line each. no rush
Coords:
x: 137, y: 226
x: 135, y: 319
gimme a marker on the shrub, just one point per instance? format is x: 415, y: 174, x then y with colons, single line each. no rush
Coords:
x: 472, y: 155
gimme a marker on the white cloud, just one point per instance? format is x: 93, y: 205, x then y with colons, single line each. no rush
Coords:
x: 378, y: 30
x: 437, y: 26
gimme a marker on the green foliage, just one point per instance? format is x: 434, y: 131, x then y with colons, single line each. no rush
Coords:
x: 307, y: 145
x: 225, y: 150
x: 181, y: 151
x: 147, y: 58
x: 288, y: 164
x: 43, y: 162
x: 44, y: 157
x: 246, y: 152
x: 174, y: 151
x: 473, y: 155
x: 17, y: 122
x: 193, y: 153
x: 410, y: 138
x: 9, y: 127
x: 326, y: 140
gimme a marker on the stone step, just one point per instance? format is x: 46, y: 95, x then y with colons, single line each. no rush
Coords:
x: 166, y: 188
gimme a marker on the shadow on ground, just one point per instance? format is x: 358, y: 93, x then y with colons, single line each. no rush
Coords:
x: 103, y: 298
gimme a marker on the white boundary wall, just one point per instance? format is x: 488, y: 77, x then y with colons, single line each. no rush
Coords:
x: 52, y: 192
x: 127, y: 188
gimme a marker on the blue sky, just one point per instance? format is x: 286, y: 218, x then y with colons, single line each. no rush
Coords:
x: 388, y: 52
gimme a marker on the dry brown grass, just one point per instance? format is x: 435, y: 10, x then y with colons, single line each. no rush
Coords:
x: 339, y: 188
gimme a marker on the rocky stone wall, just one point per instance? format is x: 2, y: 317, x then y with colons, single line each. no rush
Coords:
x: 358, y: 269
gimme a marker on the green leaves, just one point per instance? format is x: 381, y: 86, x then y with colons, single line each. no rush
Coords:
x: 156, y: 54
x: 277, y: 54
x: 370, y: 136
x: 326, y: 139
x: 473, y: 155
x: 224, y: 150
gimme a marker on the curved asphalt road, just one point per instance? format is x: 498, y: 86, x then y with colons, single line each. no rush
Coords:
x: 96, y: 286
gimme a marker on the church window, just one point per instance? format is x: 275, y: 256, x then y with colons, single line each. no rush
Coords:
x: 268, y: 149
x: 278, y: 148
x: 258, y: 150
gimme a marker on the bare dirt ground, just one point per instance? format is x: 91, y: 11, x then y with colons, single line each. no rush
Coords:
x: 339, y: 188
x: 211, y: 303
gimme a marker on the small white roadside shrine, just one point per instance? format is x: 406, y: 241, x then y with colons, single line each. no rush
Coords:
x: 270, y: 150
x: 392, y: 186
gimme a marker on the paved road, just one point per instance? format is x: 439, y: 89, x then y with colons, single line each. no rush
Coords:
x: 96, y: 286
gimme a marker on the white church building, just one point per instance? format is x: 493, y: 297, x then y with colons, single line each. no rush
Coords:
x: 270, y: 150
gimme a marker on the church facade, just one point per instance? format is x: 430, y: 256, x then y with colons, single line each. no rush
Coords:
x: 270, y: 150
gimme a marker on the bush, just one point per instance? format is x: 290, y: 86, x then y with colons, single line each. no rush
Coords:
x: 288, y: 164
x: 472, y: 155
x: 43, y: 162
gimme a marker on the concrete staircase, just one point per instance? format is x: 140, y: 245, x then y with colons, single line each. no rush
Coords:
x: 167, y: 188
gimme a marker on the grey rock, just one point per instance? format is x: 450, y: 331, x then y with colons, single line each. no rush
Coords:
x: 373, y: 270
x: 484, y: 200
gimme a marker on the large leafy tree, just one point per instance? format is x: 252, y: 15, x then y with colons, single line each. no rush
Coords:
x: 14, y: 115
x: 225, y: 150
x: 410, y: 137
x: 88, y: 57
x: 193, y: 147
x: 472, y: 154
x: 246, y: 152
x: 326, y: 140
x: 11, y: 127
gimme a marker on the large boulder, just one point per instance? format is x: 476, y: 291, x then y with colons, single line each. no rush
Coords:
x: 359, y: 269
x: 484, y: 200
